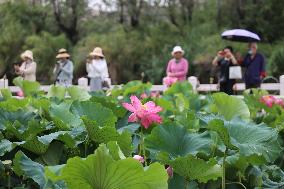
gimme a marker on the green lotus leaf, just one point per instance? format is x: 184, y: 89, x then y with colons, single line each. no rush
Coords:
x: 62, y: 117
x: 107, y: 134
x: 193, y: 168
x: 6, y: 93
x: 177, y: 141
x: 9, y: 117
x: 6, y: 146
x: 56, y: 91
x: 230, y: 107
x: 101, y: 171
x: 25, y: 166
x: 94, y: 111
x: 14, y: 104
x: 118, y: 111
x: 179, y: 87
x: 29, y: 87
x: 77, y: 93
x: 252, y: 139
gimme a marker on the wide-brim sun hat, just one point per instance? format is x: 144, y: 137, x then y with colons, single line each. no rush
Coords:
x: 177, y: 49
x: 62, y: 53
x: 27, y: 54
x: 97, y: 52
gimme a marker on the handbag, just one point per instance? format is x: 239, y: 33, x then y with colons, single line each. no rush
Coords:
x: 235, y: 72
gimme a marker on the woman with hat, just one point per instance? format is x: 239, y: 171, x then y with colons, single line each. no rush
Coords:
x: 178, y: 66
x: 28, y: 68
x: 97, y: 70
x: 63, y: 69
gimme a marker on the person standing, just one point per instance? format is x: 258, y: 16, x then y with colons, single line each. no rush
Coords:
x: 97, y: 70
x: 225, y: 59
x: 178, y: 66
x: 254, y: 63
x: 27, y: 70
x: 63, y: 69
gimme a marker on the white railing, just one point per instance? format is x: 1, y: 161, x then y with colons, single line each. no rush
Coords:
x: 193, y: 80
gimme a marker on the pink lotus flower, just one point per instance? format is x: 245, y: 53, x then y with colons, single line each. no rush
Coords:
x: 279, y: 102
x: 168, y: 81
x: 155, y: 94
x: 139, y: 158
x: 146, y: 114
x: 270, y: 100
x: 143, y: 96
x: 170, y: 171
x: 20, y: 93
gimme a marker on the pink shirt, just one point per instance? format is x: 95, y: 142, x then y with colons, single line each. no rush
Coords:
x: 178, y: 70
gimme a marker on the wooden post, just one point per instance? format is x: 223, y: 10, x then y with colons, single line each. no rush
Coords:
x: 281, y: 80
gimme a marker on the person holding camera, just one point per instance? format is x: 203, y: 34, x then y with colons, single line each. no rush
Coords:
x: 225, y: 59
x: 27, y: 70
x: 97, y: 70
x: 63, y: 69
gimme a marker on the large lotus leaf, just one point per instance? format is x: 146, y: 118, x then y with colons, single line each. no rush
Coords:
x: 6, y: 93
x: 135, y: 87
x: 193, y: 168
x: 178, y: 181
x: 26, y: 167
x: 14, y: 104
x: 217, y: 125
x: 6, y: 146
x: 62, y: 117
x: 188, y: 119
x: 34, y: 145
x: 107, y: 134
x: 53, y: 154
x: 177, y: 141
x: 107, y: 102
x: 94, y: 111
x: 64, y: 136
x: 8, y: 117
x: 23, y: 132
x: 29, y: 87
x: 230, y: 107
x: 252, y: 139
x: 179, y: 87
x: 101, y: 171
x: 56, y: 91
x: 78, y: 93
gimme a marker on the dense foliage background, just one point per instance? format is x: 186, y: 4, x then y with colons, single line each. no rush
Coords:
x: 137, y: 36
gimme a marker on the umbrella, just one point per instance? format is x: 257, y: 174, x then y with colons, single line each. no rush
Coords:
x: 240, y: 35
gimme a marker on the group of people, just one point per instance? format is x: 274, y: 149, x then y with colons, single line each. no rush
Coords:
x: 177, y: 68
x: 254, y: 63
x: 63, y: 70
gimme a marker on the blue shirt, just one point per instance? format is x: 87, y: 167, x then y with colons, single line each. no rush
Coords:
x: 255, y: 68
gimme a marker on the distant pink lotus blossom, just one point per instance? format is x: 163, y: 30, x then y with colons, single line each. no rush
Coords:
x: 155, y: 94
x: 143, y: 96
x: 170, y: 171
x: 146, y: 114
x: 168, y: 81
x: 139, y: 158
x: 20, y: 93
x: 270, y: 100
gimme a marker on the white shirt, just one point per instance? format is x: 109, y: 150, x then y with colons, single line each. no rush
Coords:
x: 97, y: 68
x: 28, y: 71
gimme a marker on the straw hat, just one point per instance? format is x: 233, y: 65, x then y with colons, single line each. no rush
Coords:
x: 97, y: 52
x: 27, y: 54
x: 62, y: 53
x: 177, y: 49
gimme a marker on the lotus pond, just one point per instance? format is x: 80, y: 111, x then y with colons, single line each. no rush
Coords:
x: 130, y: 138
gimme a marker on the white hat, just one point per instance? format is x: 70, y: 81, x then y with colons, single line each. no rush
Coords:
x: 177, y: 49
x: 62, y: 53
x: 97, y: 52
x: 27, y: 54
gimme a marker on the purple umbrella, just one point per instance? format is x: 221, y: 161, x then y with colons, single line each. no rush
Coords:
x: 240, y: 35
